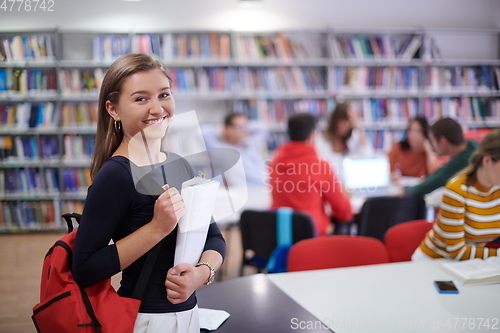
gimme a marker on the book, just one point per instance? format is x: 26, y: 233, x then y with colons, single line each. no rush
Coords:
x: 199, y: 196
x: 474, y: 271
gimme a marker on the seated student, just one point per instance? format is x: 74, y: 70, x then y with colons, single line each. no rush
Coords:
x: 247, y: 138
x: 469, y: 217
x: 413, y: 157
x: 301, y: 180
x: 342, y: 137
x: 447, y: 138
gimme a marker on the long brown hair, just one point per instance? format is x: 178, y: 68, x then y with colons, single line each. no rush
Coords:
x: 341, y: 112
x: 489, y: 146
x: 424, y: 125
x: 108, y: 135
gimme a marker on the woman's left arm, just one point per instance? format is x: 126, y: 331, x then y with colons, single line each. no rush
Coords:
x: 183, y: 279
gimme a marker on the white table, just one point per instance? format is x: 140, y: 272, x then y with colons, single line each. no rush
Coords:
x: 394, y: 297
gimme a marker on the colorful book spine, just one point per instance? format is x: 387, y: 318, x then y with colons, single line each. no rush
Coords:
x: 28, y: 115
x: 78, y: 147
x: 107, y: 48
x: 470, y: 110
x: 33, y: 215
x: 75, y: 179
x: 278, y: 111
x: 82, y: 114
x: 26, y: 49
x: 374, y: 79
x: 462, y: 79
x: 271, y: 47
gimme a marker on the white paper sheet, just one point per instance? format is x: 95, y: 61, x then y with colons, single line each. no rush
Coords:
x: 211, y: 319
x: 199, y: 196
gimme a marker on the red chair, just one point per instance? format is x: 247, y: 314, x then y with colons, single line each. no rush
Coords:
x: 403, y: 239
x: 336, y: 251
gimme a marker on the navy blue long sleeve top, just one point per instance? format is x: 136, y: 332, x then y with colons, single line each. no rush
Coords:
x: 120, y: 201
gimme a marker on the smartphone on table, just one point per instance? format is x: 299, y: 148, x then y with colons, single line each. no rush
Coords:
x: 446, y: 287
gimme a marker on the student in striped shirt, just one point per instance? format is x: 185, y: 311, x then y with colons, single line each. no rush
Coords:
x: 469, y: 216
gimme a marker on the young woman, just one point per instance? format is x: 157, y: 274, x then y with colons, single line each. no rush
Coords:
x: 413, y: 157
x: 135, y: 108
x: 469, y: 217
x: 342, y: 137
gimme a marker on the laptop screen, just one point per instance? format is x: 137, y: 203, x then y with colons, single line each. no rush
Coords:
x: 366, y: 172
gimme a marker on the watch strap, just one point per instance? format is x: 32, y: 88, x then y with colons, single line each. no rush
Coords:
x: 212, y: 271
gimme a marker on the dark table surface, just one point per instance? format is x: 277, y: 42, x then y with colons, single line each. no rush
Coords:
x: 257, y: 305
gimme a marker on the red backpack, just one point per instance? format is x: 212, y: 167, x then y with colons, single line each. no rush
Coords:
x: 66, y: 307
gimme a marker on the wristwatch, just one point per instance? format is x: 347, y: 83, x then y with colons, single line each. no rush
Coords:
x: 212, y: 272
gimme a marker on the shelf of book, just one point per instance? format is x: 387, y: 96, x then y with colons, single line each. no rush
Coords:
x: 49, y: 83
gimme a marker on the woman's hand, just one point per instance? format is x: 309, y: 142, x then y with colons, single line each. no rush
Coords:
x: 432, y: 159
x: 428, y: 147
x: 183, y: 279
x: 169, y: 208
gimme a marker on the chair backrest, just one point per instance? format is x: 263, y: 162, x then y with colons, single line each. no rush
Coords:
x: 403, y: 239
x: 258, y: 233
x: 378, y: 214
x: 336, y: 251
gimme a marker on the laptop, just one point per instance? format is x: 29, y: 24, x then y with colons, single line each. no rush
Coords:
x: 367, y: 176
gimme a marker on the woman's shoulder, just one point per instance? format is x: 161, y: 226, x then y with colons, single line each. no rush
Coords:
x: 116, y: 167
x: 457, y: 183
x: 117, y: 162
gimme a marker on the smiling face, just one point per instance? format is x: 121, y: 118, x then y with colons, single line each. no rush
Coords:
x: 145, y: 104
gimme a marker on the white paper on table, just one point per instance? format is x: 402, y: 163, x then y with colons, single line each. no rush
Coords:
x: 199, y: 196
x: 211, y: 319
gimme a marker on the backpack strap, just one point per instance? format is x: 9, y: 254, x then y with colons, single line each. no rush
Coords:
x: 284, y: 226
x: 284, y: 239
x: 69, y: 220
x: 146, y: 272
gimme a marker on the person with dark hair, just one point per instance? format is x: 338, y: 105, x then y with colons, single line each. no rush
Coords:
x: 413, y: 156
x: 342, y: 137
x: 134, y: 202
x: 468, y: 223
x: 238, y: 135
x: 447, y: 139
x: 301, y: 180
x: 301, y: 126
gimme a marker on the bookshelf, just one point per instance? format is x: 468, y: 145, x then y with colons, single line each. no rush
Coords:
x: 49, y: 83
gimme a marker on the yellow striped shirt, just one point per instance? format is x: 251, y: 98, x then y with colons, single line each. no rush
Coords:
x: 469, y: 217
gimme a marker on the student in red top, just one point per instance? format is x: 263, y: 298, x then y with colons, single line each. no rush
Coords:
x: 301, y: 180
x: 413, y: 157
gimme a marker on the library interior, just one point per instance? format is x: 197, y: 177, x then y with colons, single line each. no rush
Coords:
x: 346, y: 157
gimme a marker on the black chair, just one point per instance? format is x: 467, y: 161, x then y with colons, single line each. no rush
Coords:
x: 258, y: 234
x: 378, y: 214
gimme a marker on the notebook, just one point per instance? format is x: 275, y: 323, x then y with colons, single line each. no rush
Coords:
x: 367, y: 176
x: 199, y: 196
x: 474, y: 271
